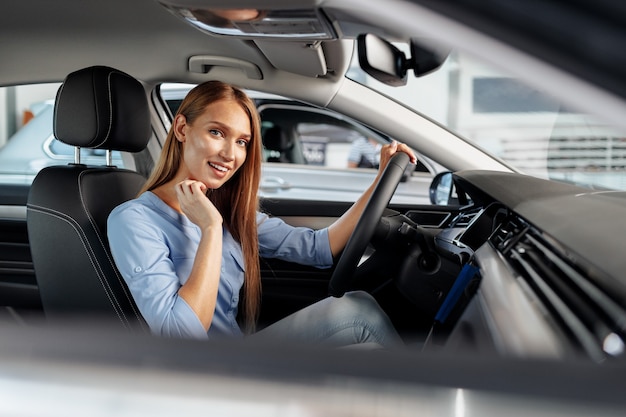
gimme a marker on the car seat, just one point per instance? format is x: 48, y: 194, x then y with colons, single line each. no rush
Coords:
x: 98, y: 108
x: 275, y: 139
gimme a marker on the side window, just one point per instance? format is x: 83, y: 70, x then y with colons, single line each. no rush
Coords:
x: 296, y: 133
x: 62, y: 151
x: 311, y: 136
x: 326, y: 144
x: 27, y: 143
x: 172, y: 95
x: 310, y: 153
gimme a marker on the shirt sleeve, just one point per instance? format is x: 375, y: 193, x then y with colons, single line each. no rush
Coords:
x: 306, y: 246
x: 141, y: 254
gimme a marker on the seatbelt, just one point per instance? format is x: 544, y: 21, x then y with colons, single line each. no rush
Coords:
x: 466, y: 275
x: 468, y: 272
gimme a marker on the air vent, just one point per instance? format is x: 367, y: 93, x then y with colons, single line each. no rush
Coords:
x: 464, y: 219
x: 508, y: 234
x: 588, y: 315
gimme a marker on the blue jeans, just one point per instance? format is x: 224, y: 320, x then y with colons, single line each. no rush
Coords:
x: 355, y: 318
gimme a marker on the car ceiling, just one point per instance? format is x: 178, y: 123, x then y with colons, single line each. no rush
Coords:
x: 162, y: 49
x: 105, y: 33
x: 145, y: 40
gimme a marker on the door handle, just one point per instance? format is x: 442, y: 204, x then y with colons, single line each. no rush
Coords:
x: 274, y: 184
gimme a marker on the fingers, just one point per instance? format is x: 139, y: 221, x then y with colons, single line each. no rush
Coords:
x: 190, y: 192
x: 392, y: 148
x: 195, y: 205
x: 191, y: 187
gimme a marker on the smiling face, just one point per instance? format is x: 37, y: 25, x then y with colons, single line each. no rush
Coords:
x: 215, y: 145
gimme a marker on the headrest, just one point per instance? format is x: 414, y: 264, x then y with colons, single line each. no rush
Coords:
x: 275, y: 139
x: 102, y: 108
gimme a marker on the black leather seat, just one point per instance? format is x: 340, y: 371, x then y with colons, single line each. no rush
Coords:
x: 99, y: 108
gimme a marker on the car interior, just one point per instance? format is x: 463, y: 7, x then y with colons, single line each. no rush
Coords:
x: 279, y: 144
x: 437, y: 269
x: 503, y: 275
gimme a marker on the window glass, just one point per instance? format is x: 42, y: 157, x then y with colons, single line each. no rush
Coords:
x: 326, y: 144
x: 308, y: 151
x: 294, y: 132
x: 312, y: 136
x: 517, y: 122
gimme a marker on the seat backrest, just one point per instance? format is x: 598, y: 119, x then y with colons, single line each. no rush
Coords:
x: 99, y: 108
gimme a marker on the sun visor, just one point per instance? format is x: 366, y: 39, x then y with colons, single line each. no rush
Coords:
x: 296, y: 57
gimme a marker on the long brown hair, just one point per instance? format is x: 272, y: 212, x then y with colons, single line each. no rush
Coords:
x: 237, y: 199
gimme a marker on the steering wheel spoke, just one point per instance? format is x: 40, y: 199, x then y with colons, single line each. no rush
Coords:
x: 343, y: 275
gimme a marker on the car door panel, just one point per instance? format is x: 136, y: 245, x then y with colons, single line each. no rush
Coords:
x: 288, y: 286
x: 306, y: 182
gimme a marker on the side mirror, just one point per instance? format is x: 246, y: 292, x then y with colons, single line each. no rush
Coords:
x: 442, y: 190
x: 386, y: 63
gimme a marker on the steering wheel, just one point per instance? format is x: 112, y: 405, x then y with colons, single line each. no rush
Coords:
x: 357, y: 243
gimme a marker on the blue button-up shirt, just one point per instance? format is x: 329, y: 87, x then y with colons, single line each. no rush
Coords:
x: 154, y: 247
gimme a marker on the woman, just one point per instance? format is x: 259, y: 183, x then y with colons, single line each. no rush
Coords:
x: 192, y: 239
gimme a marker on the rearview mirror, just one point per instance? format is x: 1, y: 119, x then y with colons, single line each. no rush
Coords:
x: 424, y: 60
x: 381, y: 60
x: 388, y: 64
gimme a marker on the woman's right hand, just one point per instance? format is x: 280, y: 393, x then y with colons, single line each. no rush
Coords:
x: 200, y: 289
x: 195, y: 204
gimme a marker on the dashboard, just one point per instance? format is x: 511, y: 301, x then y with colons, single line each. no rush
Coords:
x: 549, y: 279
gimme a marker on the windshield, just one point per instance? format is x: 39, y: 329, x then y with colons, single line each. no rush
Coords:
x: 515, y: 122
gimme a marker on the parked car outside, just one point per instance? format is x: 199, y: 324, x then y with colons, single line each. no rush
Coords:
x: 34, y: 147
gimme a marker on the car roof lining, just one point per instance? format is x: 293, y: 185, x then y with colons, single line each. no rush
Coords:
x: 162, y: 51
